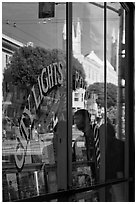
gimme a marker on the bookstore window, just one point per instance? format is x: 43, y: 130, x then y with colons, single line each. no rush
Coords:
x: 66, y: 138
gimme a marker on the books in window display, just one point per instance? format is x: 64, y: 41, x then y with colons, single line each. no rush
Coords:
x: 13, y: 187
x: 48, y: 154
x: 80, y: 149
x: 27, y: 184
x: 84, y: 175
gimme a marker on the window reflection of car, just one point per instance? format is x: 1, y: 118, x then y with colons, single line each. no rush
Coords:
x: 81, y: 180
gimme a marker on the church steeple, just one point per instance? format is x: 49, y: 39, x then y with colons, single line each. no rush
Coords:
x: 113, y: 36
x: 64, y: 37
x: 64, y: 31
x: 78, y: 30
x: 113, y: 49
x: 73, y: 32
x: 76, y: 38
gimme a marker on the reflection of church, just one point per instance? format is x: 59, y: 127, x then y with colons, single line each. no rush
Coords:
x: 92, y: 64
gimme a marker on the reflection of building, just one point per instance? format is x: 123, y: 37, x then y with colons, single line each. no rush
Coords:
x: 94, y: 69
x: 9, y: 45
x: 11, y: 94
x: 78, y: 99
x: 92, y: 64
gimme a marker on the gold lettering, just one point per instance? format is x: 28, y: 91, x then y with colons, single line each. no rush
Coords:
x: 24, y: 130
x: 41, y: 95
x: 50, y: 76
x: 55, y: 73
x: 37, y: 99
x: 26, y: 111
x: 60, y: 78
x: 44, y: 89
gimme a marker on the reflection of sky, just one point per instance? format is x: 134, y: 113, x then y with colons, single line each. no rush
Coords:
x: 95, y: 28
x: 49, y: 34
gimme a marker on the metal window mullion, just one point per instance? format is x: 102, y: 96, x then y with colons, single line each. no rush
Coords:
x: 130, y: 104
x: 102, y: 170
x: 69, y: 90
x: 105, y: 88
x: 105, y: 68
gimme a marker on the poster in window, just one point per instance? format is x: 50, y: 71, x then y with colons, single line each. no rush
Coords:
x: 12, y: 186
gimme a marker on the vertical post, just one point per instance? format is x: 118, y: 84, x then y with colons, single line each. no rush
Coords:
x: 119, y: 100
x: 130, y: 101
x: 103, y: 129
x: 105, y: 63
x: 105, y: 69
x: 105, y: 92
x: 69, y: 90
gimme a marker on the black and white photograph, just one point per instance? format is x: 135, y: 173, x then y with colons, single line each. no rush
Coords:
x: 68, y: 101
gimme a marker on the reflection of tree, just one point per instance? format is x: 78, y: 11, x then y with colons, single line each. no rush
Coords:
x: 98, y: 88
x: 28, y: 62
x: 112, y: 114
x: 25, y: 67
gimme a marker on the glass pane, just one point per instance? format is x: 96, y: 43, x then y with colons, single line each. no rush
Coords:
x: 98, y: 139
x: 115, y: 136
x: 34, y: 99
x: 88, y: 100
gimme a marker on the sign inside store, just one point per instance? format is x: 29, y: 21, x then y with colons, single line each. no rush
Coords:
x: 50, y: 77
